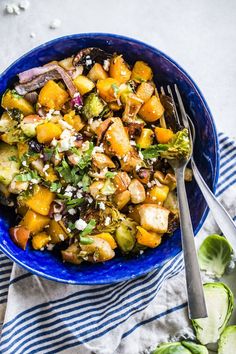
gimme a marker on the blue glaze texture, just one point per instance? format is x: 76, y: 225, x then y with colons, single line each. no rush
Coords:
x: 166, y: 71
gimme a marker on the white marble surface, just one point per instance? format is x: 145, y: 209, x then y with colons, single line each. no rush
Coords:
x: 199, y: 34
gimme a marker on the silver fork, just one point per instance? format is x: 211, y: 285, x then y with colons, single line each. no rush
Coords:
x: 196, y: 300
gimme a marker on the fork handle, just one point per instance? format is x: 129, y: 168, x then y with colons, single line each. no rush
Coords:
x: 221, y: 216
x: 196, y: 300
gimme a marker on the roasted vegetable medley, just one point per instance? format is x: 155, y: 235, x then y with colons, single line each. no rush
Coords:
x: 84, y: 158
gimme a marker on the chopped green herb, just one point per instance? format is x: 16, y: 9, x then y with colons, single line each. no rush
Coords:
x: 89, y: 228
x: 110, y: 174
x: 67, y: 173
x: 55, y: 186
x: 85, y: 182
x: 13, y: 158
x: 28, y: 176
x: 71, y: 225
x: 73, y: 203
x: 48, y: 153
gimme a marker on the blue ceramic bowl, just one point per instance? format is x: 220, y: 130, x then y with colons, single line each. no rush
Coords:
x: 166, y: 71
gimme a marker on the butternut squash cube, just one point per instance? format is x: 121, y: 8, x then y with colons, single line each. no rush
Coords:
x: 57, y: 232
x: 157, y: 194
x: 11, y: 100
x: 34, y: 221
x: 107, y: 89
x: 109, y: 238
x: 41, y: 200
x: 83, y: 84
x: 148, y: 238
x: 47, y: 131
x: 141, y: 72
x: 152, y: 110
x: 52, y: 96
x: 97, y: 73
x: 145, y: 91
x: 163, y: 135
x: 145, y: 139
x: 117, y: 138
x: 119, y: 69
x: 40, y: 240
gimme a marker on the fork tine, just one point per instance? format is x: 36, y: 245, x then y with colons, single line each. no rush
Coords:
x: 192, y: 128
x: 181, y: 107
x: 173, y: 101
x: 162, y: 90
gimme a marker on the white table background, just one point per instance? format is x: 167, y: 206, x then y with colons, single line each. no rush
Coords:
x: 199, y: 34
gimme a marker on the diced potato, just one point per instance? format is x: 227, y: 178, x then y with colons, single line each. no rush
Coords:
x: 107, y: 89
x: 157, y: 194
x: 71, y: 254
x: 119, y: 69
x: 100, y: 250
x: 131, y: 160
x: 67, y: 63
x: 57, y: 232
x: 20, y: 236
x: 121, y: 199
x: 109, y: 238
x: 145, y: 91
x: 97, y: 73
x: 146, y: 138
x: 137, y: 191
x: 40, y: 240
x: 95, y: 188
x: 41, y: 200
x: 83, y: 84
x: 154, y: 218
x: 141, y: 72
x: 163, y: 135
x: 52, y: 96
x: 102, y: 161
x: 16, y: 187
x: 11, y: 100
x: 34, y: 222
x: 117, y: 138
x: 152, y: 110
x: 74, y: 120
x: 46, y: 132
x: 148, y: 238
x: 169, y: 179
x: 122, y: 181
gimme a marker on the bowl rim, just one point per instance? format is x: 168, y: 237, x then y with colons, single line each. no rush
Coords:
x: 216, y: 147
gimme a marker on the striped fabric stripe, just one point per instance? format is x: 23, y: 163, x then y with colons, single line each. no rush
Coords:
x: 84, y: 315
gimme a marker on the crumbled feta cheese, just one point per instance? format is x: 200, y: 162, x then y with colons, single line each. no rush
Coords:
x: 57, y: 217
x: 79, y: 194
x: 24, y: 163
x: 125, y: 159
x: 149, y: 184
x: 154, y: 159
x: 32, y: 35
x: 65, y: 125
x: 45, y: 168
x: 140, y: 155
x: 141, y: 251
x: 49, y: 114
x: 24, y: 4
x: 42, y: 249
x: 72, y: 211
x: 70, y: 188
x: 132, y: 142
x: 68, y: 194
x: 61, y: 237
x: 88, y: 62
x: 90, y: 200
x: 80, y: 184
x: 90, y: 121
x: 102, y: 206
x: 80, y: 224
x: 107, y: 221
x: 50, y: 247
x: 56, y: 23
x: 85, y: 146
x: 106, y: 64
x: 98, y: 149
x: 34, y: 181
x: 54, y: 142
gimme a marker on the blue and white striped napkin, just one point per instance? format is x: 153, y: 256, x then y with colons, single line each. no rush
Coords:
x: 41, y: 316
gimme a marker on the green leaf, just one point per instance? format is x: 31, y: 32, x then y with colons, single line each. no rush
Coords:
x: 215, y: 254
x: 85, y: 182
x: 71, y: 225
x: 48, y: 153
x: 55, y: 186
x: 13, y: 158
x: 110, y: 174
x: 73, y: 203
x: 27, y: 176
x: 89, y: 228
